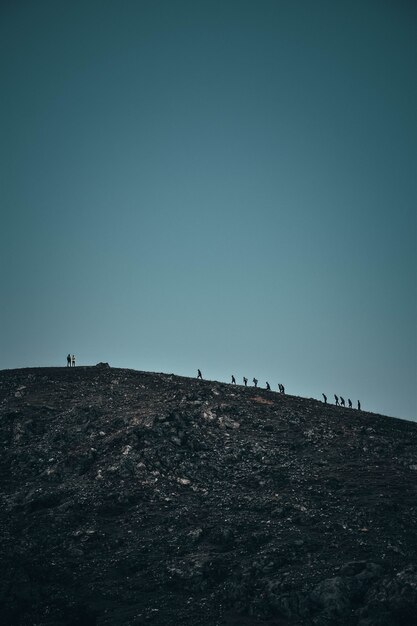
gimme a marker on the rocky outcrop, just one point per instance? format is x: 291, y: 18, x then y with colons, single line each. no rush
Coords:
x: 134, y: 498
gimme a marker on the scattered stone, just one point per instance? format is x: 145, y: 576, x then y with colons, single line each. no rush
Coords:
x: 131, y: 497
x: 183, y: 481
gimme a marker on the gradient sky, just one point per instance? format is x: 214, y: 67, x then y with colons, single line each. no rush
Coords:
x: 225, y: 185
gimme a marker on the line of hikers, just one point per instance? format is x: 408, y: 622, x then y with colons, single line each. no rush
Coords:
x: 341, y: 401
x: 338, y: 402
x: 245, y: 382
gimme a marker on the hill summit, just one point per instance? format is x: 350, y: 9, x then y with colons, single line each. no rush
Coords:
x: 133, y: 498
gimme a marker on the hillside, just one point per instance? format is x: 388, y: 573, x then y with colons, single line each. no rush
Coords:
x: 132, y: 498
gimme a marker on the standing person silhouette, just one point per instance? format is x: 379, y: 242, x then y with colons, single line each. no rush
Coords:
x: 325, y: 398
x: 233, y: 380
x: 350, y: 403
x: 199, y: 376
x: 342, y: 401
x: 68, y: 360
x: 73, y: 360
x: 255, y: 382
x: 336, y: 400
x: 245, y: 381
x: 268, y: 386
x: 359, y: 406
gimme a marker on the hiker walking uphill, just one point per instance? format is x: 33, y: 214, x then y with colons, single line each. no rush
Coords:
x: 199, y: 376
x: 342, y: 401
x: 268, y: 386
x: 349, y: 403
x: 245, y: 381
x: 233, y: 380
x: 255, y: 382
x: 336, y: 400
x: 324, y: 398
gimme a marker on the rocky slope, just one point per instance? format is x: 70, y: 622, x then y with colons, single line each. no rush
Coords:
x: 132, y: 498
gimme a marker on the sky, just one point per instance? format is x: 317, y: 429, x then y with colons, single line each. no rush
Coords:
x: 215, y: 184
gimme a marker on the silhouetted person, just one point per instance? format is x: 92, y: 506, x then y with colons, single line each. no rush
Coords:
x: 233, y: 380
x: 255, y: 382
x: 349, y: 403
x: 245, y: 381
x: 199, y: 376
x: 336, y: 400
x: 268, y: 387
x: 69, y: 360
x: 342, y: 401
x: 359, y: 406
x: 282, y: 389
x: 73, y: 360
x: 325, y: 398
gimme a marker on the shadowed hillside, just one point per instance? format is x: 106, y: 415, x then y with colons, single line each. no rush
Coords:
x: 132, y: 498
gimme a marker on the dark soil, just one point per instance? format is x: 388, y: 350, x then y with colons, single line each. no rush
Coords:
x: 133, y: 498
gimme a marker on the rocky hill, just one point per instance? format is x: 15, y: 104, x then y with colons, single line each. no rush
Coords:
x: 132, y: 498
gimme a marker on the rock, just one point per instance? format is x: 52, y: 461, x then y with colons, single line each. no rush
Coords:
x: 165, y: 499
x: 183, y: 481
x: 227, y: 422
x: 393, y: 601
x: 332, y: 596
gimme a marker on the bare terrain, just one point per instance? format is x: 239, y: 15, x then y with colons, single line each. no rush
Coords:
x: 132, y: 498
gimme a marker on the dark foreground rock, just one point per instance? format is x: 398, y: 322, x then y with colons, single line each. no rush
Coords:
x: 130, y: 498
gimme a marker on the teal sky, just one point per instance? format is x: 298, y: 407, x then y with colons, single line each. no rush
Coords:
x: 224, y: 185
